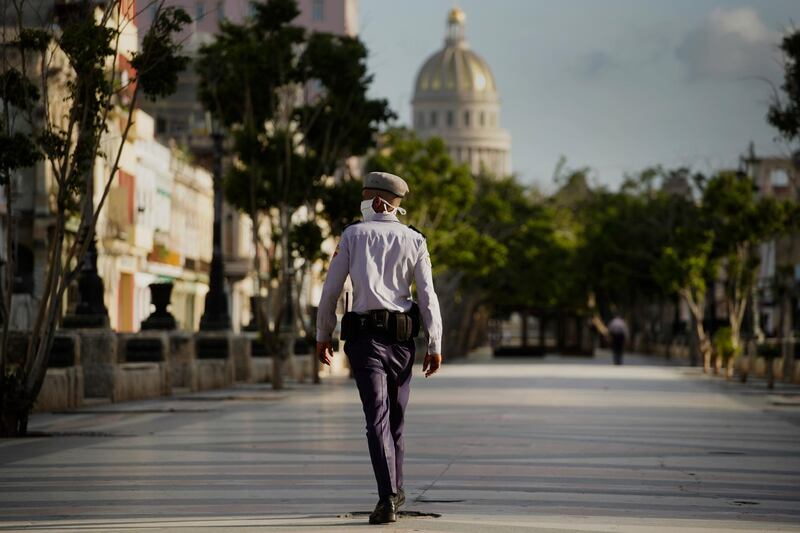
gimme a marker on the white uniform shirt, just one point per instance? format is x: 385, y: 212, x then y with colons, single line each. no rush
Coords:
x: 381, y: 255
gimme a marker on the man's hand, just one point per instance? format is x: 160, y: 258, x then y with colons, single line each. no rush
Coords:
x: 325, y: 353
x: 431, y: 364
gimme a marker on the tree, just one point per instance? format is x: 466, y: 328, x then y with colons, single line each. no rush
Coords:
x: 685, y: 266
x: 740, y: 221
x: 68, y: 69
x: 621, y: 240
x: 784, y: 111
x: 297, y: 106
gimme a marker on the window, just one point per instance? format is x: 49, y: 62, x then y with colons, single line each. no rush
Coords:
x: 466, y: 119
x: 318, y: 10
x: 779, y: 178
x: 434, y: 118
x: 482, y: 119
x: 449, y: 119
x: 199, y: 11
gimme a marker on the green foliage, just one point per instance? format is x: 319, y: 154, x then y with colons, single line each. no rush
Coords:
x: 737, y: 215
x: 784, y: 113
x: 306, y: 241
x: 159, y: 60
x: 341, y: 203
x: 622, y: 237
x: 686, y: 262
x: 87, y: 44
x: 724, y: 346
x: 33, y: 40
x: 253, y: 76
x: 17, y: 90
x: 17, y: 151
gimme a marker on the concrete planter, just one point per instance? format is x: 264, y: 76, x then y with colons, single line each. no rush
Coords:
x: 182, y: 363
x: 143, y: 369
x: 216, y: 368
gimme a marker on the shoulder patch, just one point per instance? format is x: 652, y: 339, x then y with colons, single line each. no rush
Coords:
x: 411, y: 227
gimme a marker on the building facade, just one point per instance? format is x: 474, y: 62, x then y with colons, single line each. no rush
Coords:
x: 456, y: 98
x: 779, y: 265
x: 150, y: 228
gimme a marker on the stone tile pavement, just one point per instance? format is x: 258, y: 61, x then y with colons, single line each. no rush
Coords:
x: 553, y: 444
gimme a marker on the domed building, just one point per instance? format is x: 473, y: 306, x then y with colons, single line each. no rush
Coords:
x: 456, y: 98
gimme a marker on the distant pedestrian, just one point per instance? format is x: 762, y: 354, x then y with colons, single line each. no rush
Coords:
x: 618, y: 330
x: 382, y: 257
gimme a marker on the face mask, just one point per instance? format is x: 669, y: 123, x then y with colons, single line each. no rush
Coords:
x: 367, y: 210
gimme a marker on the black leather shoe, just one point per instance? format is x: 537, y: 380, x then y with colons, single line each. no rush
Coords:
x: 400, y: 498
x: 385, y: 512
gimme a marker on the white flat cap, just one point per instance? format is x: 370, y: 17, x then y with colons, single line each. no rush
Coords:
x: 383, y: 181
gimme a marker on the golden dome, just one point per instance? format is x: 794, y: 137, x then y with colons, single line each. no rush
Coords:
x: 455, y: 68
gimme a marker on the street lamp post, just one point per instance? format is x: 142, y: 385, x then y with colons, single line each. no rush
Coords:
x: 215, y: 315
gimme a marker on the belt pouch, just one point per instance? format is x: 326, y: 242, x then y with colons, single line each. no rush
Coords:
x: 349, y: 326
x: 402, y: 327
x: 380, y: 322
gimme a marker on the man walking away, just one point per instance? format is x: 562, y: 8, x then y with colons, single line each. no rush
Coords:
x: 619, y: 334
x: 382, y: 257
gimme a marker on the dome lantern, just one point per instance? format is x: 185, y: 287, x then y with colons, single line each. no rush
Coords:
x: 456, y: 20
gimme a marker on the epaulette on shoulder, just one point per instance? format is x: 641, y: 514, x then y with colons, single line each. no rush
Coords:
x: 411, y: 227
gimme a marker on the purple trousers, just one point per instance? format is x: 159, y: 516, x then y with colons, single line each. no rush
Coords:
x: 382, y: 370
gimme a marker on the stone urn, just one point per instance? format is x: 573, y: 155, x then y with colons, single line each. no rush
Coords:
x: 160, y: 294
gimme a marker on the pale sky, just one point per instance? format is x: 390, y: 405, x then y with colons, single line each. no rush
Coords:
x: 615, y: 85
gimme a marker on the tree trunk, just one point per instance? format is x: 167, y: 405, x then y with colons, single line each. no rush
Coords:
x: 695, y: 303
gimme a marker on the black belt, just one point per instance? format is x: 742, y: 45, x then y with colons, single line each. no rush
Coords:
x: 393, y: 324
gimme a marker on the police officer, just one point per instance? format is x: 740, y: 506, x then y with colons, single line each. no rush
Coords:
x: 382, y: 257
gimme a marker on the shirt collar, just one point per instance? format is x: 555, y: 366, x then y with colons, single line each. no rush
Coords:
x: 381, y: 217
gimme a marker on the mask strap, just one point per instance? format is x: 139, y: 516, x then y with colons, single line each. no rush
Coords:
x: 393, y: 208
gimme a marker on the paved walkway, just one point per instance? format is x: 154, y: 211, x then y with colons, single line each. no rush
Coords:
x: 519, y: 445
